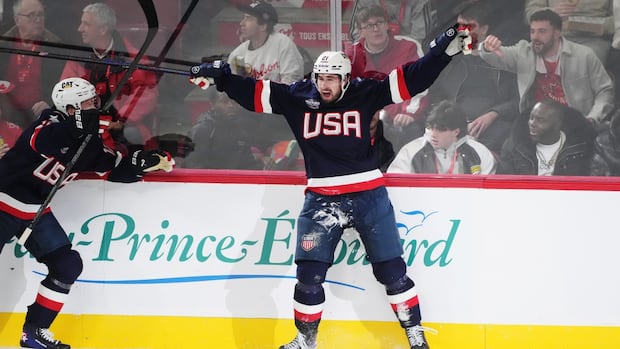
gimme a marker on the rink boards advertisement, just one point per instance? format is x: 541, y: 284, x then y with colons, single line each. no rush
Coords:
x: 489, y: 264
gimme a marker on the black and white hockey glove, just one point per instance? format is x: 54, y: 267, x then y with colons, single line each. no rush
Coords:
x: 453, y: 41
x: 207, y: 74
x: 86, y: 122
x: 145, y: 161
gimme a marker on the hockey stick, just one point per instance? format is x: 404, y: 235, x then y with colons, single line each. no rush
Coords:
x: 175, y: 34
x: 115, y: 63
x: 81, y: 48
x: 153, y: 26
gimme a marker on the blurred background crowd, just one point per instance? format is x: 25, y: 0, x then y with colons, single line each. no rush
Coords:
x: 537, y: 96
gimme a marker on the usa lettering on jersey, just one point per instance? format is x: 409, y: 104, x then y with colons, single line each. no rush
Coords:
x: 348, y: 123
x: 50, y: 171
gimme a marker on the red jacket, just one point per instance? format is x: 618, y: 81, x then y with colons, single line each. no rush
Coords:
x: 139, y: 96
x: 9, y: 132
x: 400, y: 50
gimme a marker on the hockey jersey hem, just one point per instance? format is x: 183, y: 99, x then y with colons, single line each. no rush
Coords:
x: 346, y: 184
x: 19, y: 209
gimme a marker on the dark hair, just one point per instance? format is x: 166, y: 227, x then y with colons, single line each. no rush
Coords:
x: 548, y: 15
x: 558, y: 110
x: 365, y: 13
x: 447, y: 115
x: 482, y: 12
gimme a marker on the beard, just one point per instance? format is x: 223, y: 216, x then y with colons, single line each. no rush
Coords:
x: 541, y: 48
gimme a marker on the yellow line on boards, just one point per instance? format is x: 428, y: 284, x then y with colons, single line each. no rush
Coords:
x: 167, y: 332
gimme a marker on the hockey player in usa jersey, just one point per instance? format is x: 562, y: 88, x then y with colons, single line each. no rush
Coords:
x: 330, y: 116
x: 28, y: 172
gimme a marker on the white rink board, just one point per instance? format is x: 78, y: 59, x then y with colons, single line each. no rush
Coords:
x: 491, y: 256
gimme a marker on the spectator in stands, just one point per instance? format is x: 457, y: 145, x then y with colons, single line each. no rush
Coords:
x: 9, y: 132
x: 375, y: 55
x: 616, y: 37
x: 224, y: 136
x: 613, y: 62
x: 415, y: 19
x: 488, y: 96
x: 265, y: 54
x: 445, y: 148
x: 552, y: 67
x: 32, y: 77
x: 555, y: 140
x: 134, y: 106
x: 507, y: 20
x: 590, y: 23
x: 608, y: 144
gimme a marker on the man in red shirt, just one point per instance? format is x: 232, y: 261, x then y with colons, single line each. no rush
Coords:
x: 376, y: 54
x: 32, y: 77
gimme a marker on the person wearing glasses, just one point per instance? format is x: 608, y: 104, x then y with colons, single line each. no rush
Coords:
x: 31, y: 76
x: 377, y: 53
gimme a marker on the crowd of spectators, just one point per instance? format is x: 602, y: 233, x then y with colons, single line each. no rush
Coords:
x: 538, y: 93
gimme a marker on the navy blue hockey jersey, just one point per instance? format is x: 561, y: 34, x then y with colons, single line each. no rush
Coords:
x: 335, y: 137
x: 29, y: 170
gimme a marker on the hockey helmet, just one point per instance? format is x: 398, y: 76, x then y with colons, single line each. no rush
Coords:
x: 333, y: 62
x: 72, y: 92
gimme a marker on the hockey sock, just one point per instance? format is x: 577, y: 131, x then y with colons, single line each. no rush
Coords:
x: 50, y: 300
x: 404, y: 300
x: 308, y: 307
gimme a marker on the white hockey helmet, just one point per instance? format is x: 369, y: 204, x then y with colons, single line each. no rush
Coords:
x: 333, y: 62
x: 72, y: 92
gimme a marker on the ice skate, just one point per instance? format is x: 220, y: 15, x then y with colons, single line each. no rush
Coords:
x: 416, y: 337
x: 300, y: 342
x: 40, y: 338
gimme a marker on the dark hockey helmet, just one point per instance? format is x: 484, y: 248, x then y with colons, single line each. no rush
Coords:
x: 72, y: 92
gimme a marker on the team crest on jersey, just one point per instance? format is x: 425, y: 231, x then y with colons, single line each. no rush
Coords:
x: 64, y: 150
x: 312, y: 103
x: 308, y: 242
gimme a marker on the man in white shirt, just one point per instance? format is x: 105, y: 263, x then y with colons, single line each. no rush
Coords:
x: 265, y: 54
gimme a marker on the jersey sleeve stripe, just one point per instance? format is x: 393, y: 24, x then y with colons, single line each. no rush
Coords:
x: 398, y: 86
x: 33, y: 138
x: 261, y: 97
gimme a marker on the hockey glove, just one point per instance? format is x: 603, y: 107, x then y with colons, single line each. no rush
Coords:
x: 173, y: 143
x: 86, y: 122
x: 453, y: 41
x: 207, y: 74
x: 145, y: 161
